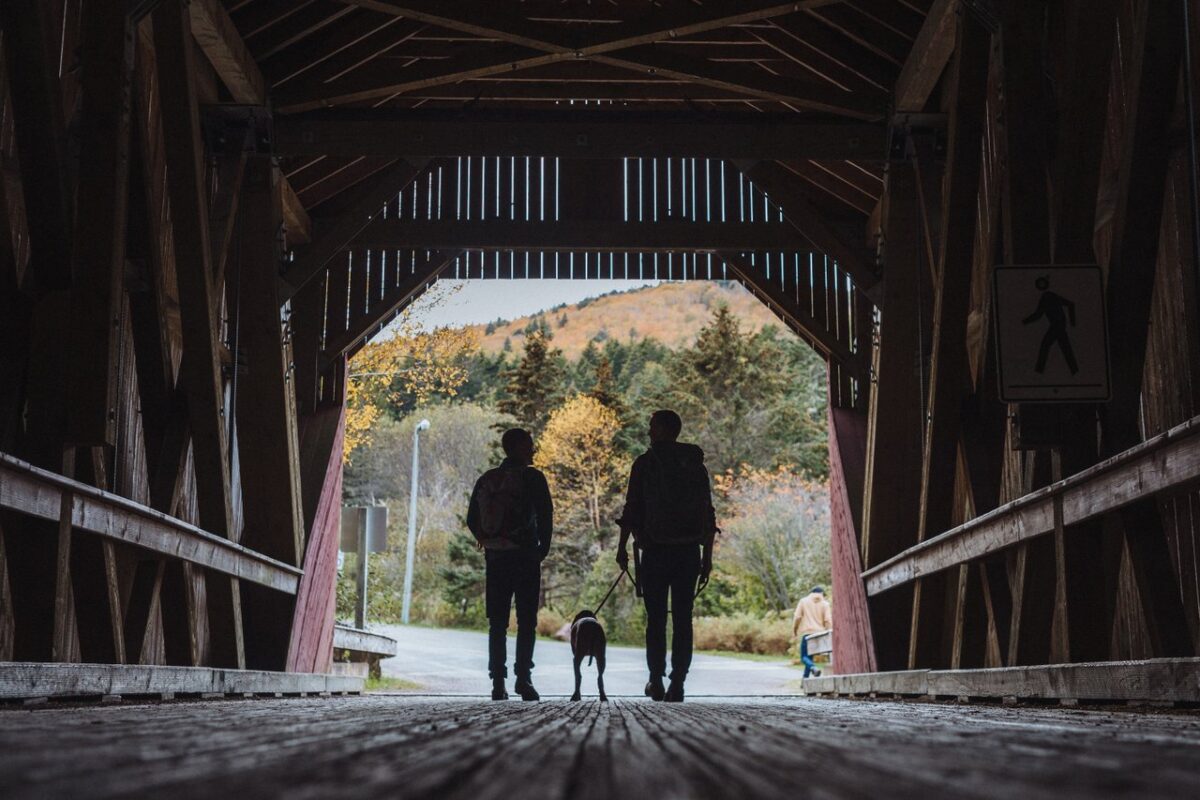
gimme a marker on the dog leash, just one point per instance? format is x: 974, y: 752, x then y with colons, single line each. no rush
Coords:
x: 624, y: 571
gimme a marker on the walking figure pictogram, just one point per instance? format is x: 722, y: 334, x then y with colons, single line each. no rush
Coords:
x: 1058, y: 311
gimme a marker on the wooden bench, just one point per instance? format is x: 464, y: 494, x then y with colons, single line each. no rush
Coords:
x: 358, y: 652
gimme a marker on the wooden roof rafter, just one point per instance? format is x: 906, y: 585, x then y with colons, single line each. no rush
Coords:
x: 626, y: 45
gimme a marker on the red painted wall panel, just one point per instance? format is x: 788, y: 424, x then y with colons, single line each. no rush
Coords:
x: 311, y: 648
x: 853, y: 645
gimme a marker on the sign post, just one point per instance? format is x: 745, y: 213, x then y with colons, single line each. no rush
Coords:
x: 1051, y: 334
x: 364, y: 531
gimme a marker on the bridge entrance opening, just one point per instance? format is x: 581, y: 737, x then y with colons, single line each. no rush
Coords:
x: 584, y: 377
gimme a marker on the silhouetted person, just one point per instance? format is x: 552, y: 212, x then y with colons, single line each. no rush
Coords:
x: 1057, y: 310
x: 669, y: 511
x: 512, y: 517
x: 812, y: 617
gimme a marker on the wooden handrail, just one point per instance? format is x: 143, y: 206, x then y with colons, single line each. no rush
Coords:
x: 1163, y: 463
x: 30, y: 490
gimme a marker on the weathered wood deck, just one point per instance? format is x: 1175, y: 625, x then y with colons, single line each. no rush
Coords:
x: 392, y: 746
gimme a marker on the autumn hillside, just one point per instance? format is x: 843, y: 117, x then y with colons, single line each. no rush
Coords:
x: 672, y: 313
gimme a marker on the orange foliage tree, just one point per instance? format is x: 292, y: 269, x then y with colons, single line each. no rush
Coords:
x: 578, y: 453
x: 413, y: 364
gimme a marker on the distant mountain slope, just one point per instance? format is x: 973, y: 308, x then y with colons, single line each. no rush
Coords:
x: 672, y: 313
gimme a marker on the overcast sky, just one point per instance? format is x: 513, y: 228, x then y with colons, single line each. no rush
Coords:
x: 481, y: 301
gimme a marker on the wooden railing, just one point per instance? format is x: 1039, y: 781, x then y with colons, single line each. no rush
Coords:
x: 1166, y: 462
x: 27, y: 489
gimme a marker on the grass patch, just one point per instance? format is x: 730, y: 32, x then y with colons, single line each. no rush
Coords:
x: 386, y: 684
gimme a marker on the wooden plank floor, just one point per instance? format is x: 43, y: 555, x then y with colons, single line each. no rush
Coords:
x: 395, y: 746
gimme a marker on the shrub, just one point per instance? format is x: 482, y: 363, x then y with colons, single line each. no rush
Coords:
x: 550, y: 622
x: 744, y: 633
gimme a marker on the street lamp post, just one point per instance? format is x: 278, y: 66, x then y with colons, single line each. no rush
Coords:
x: 410, y: 546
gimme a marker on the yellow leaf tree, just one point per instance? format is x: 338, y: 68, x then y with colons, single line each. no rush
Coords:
x: 412, y: 364
x: 585, y: 470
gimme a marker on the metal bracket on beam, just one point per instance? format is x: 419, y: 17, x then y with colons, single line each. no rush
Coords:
x: 233, y: 128
x: 905, y: 127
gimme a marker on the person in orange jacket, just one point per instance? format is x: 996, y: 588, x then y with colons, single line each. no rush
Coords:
x: 812, y: 617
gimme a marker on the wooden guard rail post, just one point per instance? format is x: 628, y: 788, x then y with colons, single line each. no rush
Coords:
x: 1163, y: 463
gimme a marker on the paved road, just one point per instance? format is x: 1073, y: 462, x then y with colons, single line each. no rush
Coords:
x: 454, y: 661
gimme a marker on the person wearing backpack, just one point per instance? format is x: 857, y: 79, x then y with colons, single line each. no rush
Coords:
x: 669, y: 512
x: 512, y: 518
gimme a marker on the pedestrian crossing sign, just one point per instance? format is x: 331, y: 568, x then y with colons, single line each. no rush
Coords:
x: 1051, y: 334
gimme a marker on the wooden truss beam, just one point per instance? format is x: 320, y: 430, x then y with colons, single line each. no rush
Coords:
x: 808, y: 219
x: 597, y: 235
x: 337, y: 228
x: 948, y: 358
x: 552, y: 45
x: 824, y: 341
x: 201, y: 368
x: 1164, y: 463
x: 39, y: 493
x: 598, y: 134
x: 803, y: 95
x: 488, y: 23
x: 948, y: 383
x: 37, y: 103
x: 366, y: 324
x: 929, y: 55
x: 219, y: 39
x: 98, y: 252
x: 1153, y: 78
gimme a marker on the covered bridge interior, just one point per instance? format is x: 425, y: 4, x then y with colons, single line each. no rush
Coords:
x: 207, y: 207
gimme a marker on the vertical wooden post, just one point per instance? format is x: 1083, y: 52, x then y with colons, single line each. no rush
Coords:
x: 266, y: 405
x: 98, y: 258
x: 266, y: 413
x: 929, y: 642
x: 895, y: 417
x: 64, y: 643
x: 1145, y: 160
x: 891, y: 504
x: 96, y: 304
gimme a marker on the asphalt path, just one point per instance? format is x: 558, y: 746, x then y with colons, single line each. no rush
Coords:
x: 446, y: 661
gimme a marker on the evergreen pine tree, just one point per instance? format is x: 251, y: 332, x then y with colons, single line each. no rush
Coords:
x: 726, y: 388
x: 606, y: 392
x: 535, y: 385
x: 463, y: 576
x: 585, y: 367
x: 604, y: 387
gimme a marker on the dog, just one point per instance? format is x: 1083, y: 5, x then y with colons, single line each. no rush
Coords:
x: 588, y: 641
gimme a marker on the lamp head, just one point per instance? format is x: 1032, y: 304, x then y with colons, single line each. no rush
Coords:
x: 423, y: 425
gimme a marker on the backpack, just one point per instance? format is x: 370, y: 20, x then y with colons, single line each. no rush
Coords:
x: 677, y: 502
x: 505, y: 511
